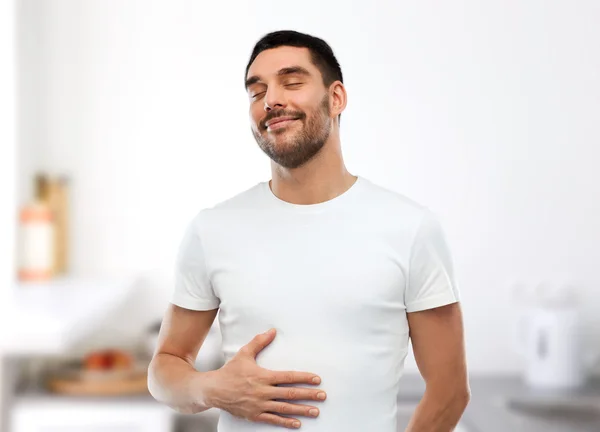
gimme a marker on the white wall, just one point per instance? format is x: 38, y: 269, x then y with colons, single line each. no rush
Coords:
x: 8, y: 148
x: 487, y: 112
x: 7, y: 169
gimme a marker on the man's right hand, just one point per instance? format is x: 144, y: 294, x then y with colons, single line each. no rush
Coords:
x: 246, y: 390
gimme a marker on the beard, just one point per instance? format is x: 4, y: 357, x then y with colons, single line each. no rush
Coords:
x: 293, y: 148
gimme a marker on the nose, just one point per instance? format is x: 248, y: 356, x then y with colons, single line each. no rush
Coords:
x: 274, y: 99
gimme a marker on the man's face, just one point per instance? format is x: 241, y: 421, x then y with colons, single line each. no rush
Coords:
x: 289, y: 105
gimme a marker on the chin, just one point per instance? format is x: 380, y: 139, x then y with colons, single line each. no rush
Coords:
x: 278, y: 132
x: 284, y: 145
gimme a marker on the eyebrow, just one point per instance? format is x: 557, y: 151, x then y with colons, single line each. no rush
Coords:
x: 292, y: 70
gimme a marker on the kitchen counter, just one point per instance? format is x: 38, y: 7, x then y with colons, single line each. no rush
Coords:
x: 48, y: 318
x: 488, y: 410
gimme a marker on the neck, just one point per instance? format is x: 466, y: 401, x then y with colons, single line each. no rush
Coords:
x: 321, y: 179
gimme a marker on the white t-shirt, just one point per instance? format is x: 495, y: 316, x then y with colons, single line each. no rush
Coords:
x: 336, y: 279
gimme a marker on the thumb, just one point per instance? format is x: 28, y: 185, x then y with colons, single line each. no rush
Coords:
x: 259, y: 342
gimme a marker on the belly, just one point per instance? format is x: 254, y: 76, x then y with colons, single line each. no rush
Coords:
x: 360, y: 377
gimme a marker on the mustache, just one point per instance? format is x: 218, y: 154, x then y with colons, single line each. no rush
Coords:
x: 275, y: 114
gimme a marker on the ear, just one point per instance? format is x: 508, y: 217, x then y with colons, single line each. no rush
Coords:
x: 337, y: 98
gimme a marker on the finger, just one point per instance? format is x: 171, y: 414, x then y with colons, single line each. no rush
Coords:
x: 258, y: 343
x: 290, y: 423
x: 296, y: 393
x: 293, y: 377
x: 291, y: 409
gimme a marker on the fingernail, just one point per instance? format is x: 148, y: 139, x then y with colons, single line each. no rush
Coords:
x: 268, y: 331
x: 296, y: 424
x: 313, y: 412
x: 316, y: 380
x: 321, y: 395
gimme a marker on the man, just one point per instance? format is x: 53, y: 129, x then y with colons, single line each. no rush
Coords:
x: 342, y: 271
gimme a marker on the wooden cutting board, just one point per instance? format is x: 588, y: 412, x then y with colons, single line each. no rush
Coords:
x: 116, y: 387
x: 118, y: 383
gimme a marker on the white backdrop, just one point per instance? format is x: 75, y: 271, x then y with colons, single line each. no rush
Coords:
x: 485, y: 111
x: 7, y: 165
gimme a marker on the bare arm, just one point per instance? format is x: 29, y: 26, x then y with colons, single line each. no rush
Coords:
x: 438, y: 345
x: 172, y: 378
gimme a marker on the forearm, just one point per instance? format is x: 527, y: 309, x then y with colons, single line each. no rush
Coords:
x: 439, y: 411
x: 175, y: 382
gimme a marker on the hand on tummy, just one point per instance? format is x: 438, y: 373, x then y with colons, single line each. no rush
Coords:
x: 248, y: 391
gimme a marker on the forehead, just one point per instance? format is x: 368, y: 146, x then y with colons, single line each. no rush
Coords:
x: 268, y: 62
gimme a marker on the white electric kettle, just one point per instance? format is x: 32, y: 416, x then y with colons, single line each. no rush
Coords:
x: 551, y: 341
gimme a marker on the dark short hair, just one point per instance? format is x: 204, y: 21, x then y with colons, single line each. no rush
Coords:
x: 321, y: 53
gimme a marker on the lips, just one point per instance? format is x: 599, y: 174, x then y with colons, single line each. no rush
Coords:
x: 279, y: 122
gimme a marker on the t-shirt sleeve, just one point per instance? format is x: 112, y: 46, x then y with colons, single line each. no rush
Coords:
x: 430, y: 281
x: 193, y: 288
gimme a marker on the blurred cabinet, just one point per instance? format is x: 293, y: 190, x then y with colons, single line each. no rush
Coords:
x: 89, y: 416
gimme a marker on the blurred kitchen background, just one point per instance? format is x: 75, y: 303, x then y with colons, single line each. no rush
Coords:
x: 131, y: 116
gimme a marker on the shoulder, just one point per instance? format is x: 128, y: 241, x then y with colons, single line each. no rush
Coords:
x: 247, y: 199
x: 233, y: 207
x: 395, y: 206
x: 391, y: 197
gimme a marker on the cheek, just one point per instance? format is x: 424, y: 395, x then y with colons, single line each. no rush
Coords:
x: 301, y: 102
x: 309, y: 103
x: 256, y: 115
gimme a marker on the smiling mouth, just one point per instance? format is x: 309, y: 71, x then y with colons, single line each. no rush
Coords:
x: 280, y: 124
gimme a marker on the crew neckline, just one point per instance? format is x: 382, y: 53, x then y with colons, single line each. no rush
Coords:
x: 317, y: 207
